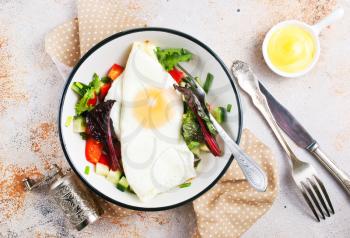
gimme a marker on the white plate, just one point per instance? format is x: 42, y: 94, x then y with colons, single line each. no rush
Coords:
x: 115, y: 49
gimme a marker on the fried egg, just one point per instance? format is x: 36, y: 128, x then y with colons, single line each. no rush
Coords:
x: 155, y: 157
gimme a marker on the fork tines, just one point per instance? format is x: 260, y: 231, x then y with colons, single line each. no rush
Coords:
x: 315, y: 194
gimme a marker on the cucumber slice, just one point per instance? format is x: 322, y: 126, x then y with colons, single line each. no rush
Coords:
x: 219, y: 114
x: 122, y: 184
x: 101, y: 169
x: 79, y: 124
x: 114, y: 176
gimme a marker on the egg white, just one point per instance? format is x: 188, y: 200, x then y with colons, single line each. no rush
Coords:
x: 155, y: 159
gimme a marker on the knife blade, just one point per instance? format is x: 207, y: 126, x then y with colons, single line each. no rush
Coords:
x: 289, y: 124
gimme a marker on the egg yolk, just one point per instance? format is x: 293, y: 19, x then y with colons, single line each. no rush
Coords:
x: 151, y: 108
x: 291, y: 49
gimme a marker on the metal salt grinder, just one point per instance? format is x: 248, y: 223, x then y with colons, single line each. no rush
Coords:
x: 71, y: 195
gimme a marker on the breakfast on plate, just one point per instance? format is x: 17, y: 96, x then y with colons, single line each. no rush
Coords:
x: 144, y: 127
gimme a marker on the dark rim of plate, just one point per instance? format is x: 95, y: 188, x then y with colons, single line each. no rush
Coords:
x: 120, y: 34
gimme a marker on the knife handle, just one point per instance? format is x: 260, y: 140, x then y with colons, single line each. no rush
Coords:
x: 342, y: 177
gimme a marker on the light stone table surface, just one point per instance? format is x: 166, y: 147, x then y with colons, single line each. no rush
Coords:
x: 30, y: 88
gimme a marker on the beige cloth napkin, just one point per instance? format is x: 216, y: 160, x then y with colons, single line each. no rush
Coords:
x: 231, y: 206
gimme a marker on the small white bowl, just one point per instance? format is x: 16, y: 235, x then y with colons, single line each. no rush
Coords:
x: 279, y: 26
x: 314, y: 31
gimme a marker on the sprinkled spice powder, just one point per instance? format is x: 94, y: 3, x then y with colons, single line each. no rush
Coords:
x: 315, y: 10
x: 12, y: 190
x: 8, y: 86
x: 309, y: 11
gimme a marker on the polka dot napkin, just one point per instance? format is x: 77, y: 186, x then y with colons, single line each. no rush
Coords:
x: 100, y: 19
x: 231, y: 206
x: 63, y: 45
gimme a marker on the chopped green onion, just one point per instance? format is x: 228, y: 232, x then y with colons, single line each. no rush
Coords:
x: 228, y: 107
x: 185, y: 185
x: 79, y: 124
x: 68, y: 121
x: 87, y: 170
x: 208, y: 82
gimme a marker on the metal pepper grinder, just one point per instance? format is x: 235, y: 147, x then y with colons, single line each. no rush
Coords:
x: 76, y: 201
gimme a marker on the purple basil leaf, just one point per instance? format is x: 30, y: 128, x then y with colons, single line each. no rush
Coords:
x: 101, y: 129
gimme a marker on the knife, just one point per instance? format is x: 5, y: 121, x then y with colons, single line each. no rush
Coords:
x: 289, y: 124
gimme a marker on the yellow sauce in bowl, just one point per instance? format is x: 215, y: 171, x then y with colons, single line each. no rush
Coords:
x: 291, y: 49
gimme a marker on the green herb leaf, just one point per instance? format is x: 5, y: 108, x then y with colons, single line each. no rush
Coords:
x: 95, y: 83
x: 89, y: 91
x: 170, y: 57
x: 81, y: 105
x: 191, y: 132
x: 208, y: 130
x: 190, y: 128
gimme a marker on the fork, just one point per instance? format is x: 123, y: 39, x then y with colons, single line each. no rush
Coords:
x: 304, y: 175
x: 251, y: 170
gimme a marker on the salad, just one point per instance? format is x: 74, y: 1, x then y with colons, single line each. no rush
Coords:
x: 103, y: 147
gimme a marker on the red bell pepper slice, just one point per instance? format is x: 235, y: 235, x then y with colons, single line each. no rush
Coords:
x: 93, y: 150
x: 176, y: 74
x: 92, y: 101
x: 115, y: 71
x: 104, y: 160
x: 104, y: 90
